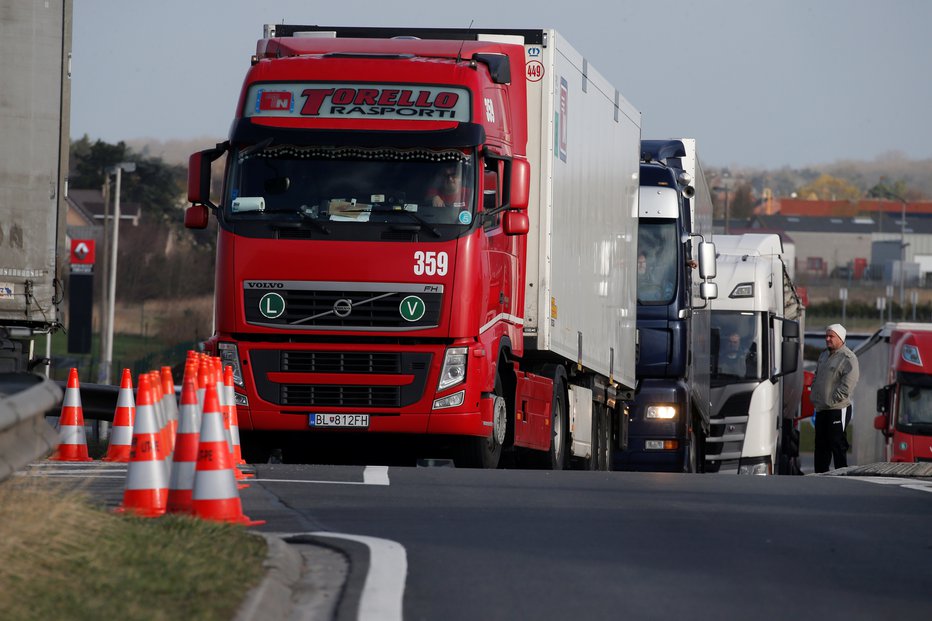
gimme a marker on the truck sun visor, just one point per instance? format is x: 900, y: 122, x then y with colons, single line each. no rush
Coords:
x: 463, y: 135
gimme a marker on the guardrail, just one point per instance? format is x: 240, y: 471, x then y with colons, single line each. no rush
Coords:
x: 24, y: 434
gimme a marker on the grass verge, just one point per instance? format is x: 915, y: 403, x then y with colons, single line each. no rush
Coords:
x: 62, y: 558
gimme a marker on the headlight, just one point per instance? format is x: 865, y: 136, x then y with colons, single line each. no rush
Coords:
x: 743, y: 290
x: 450, y: 401
x: 756, y: 465
x: 665, y: 412
x: 454, y: 368
x: 229, y: 355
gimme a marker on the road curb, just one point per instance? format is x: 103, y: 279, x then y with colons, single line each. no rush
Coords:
x: 304, y: 580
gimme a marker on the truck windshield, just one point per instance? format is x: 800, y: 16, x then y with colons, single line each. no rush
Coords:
x: 915, y: 406
x: 657, y: 250
x: 737, y: 353
x: 353, y: 186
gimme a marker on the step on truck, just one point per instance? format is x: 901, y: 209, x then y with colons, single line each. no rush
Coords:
x: 431, y: 233
x: 756, y: 377
x: 676, y: 258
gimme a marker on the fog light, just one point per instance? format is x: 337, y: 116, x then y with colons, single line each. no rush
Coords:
x: 450, y: 401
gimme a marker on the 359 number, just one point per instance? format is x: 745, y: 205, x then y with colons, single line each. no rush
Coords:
x: 430, y: 263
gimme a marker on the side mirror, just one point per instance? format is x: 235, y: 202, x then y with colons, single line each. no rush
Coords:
x: 707, y: 260
x: 789, y: 355
x: 196, y: 216
x: 880, y: 422
x: 708, y: 290
x: 883, y: 399
x: 516, y: 223
x: 519, y: 186
x: 199, y: 174
x: 790, y: 329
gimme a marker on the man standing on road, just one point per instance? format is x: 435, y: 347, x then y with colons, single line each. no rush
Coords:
x: 835, y: 378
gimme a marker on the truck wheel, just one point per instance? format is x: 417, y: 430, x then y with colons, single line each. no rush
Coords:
x: 478, y: 452
x: 601, y: 438
x: 605, y: 455
x: 691, y: 449
x: 695, y: 460
x: 559, y: 419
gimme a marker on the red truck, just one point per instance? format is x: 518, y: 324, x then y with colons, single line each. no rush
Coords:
x: 428, y: 232
x: 905, y: 403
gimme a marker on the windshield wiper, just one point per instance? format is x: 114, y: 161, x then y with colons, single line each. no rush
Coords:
x: 306, y: 218
x: 424, y: 223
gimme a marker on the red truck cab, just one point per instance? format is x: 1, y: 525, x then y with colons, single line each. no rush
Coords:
x: 371, y: 238
x: 905, y: 404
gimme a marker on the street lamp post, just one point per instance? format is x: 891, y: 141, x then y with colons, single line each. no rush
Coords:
x: 107, y: 363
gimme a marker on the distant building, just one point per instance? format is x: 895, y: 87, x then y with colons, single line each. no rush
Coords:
x: 856, y: 247
x: 85, y: 217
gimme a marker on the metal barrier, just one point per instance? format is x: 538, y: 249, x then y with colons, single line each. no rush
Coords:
x: 24, y: 434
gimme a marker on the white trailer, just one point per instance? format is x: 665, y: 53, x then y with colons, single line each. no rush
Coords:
x: 756, y: 347
x: 581, y: 285
x: 35, y: 43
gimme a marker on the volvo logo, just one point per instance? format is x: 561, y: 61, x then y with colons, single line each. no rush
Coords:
x: 265, y: 285
x: 342, y: 307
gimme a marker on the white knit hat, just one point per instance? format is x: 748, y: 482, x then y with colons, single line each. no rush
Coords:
x: 838, y: 329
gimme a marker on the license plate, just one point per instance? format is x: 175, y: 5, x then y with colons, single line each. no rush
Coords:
x: 338, y: 420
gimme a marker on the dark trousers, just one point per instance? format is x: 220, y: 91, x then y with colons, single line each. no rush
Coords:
x: 830, y: 440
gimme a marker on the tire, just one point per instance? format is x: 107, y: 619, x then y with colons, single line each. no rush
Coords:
x: 695, y: 461
x: 607, y: 435
x: 479, y: 452
x: 596, y: 457
x: 555, y: 458
x: 692, y: 463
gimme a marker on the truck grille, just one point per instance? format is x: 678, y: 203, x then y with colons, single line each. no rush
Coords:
x: 340, y: 362
x: 726, y: 432
x: 340, y: 396
x: 329, y: 306
x: 353, y: 393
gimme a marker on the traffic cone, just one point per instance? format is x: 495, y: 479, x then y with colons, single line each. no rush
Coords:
x: 121, y: 436
x: 146, y: 491
x: 72, y: 443
x: 184, y: 463
x: 171, y: 403
x: 215, y: 494
x: 234, y: 423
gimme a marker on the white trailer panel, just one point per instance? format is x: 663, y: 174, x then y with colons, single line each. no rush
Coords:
x: 35, y: 44
x: 582, y: 248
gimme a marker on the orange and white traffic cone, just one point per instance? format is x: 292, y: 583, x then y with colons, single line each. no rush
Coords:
x: 72, y: 442
x: 228, y: 408
x: 215, y: 494
x: 184, y: 463
x: 146, y: 491
x: 171, y: 403
x: 230, y: 394
x: 121, y: 436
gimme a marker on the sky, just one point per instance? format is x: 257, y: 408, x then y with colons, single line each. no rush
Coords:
x: 758, y: 83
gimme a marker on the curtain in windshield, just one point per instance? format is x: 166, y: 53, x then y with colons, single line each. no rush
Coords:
x: 352, y: 185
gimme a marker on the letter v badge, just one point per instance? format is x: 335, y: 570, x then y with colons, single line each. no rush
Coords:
x: 412, y: 308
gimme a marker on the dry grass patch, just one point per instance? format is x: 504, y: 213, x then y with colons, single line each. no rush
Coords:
x: 61, y: 558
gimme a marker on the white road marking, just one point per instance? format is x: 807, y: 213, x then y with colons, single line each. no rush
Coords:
x: 372, y: 475
x: 922, y: 486
x: 384, y: 588
x: 375, y: 475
